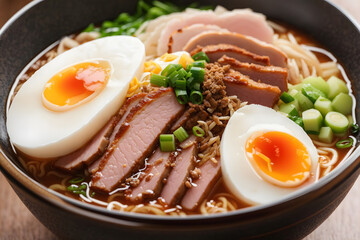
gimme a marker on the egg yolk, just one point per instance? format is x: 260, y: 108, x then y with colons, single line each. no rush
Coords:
x: 279, y: 156
x: 75, y: 84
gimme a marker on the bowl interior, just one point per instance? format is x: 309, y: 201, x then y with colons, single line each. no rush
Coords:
x: 50, y: 20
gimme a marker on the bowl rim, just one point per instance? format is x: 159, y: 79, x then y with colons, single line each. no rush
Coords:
x: 21, y: 178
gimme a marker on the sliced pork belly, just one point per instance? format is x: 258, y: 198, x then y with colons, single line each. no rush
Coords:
x: 137, y: 137
x: 89, y: 153
x: 210, y: 173
x: 180, y: 37
x: 215, y: 52
x: 277, y: 57
x: 175, y: 184
x: 93, y: 150
x: 250, y: 91
x: 159, y: 166
x: 242, y: 21
x: 120, y: 118
x: 271, y: 75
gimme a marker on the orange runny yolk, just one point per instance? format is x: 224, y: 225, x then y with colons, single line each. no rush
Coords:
x: 76, y: 83
x: 279, y: 155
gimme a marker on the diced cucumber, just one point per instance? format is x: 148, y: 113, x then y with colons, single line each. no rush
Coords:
x: 342, y: 103
x: 323, y: 105
x: 319, y: 83
x: 337, y: 122
x: 296, y: 87
x: 311, y: 92
x: 312, y: 120
x: 303, y: 101
x: 296, y: 104
x: 293, y: 92
x: 326, y: 135
x: 286, y: 98
x: 289, y: 109
x: 336, y: 86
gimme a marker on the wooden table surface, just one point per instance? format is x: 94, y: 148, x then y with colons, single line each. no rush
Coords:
x: 16, y: 222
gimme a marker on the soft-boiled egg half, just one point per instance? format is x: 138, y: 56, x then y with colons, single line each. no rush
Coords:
x: 62, y: 105
x: 265, y: 156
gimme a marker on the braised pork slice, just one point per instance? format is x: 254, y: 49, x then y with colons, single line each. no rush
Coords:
x: 93, y: 150
x: 158, y: 168
x: 277, y: 57
x: 242, y: 21
x: 215, y: 52
x: 120, y: 118
x: 180, y: 37
x: 209, y: 174
x: 271, y: 75
x: 250, y: 91
x: 88, y: 153
x: 175, y: 186
x: 136, y: 138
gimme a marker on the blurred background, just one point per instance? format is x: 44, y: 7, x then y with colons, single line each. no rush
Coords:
x: 16, y: 222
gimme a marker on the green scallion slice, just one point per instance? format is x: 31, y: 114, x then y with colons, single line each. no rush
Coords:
x: 181, y: 96
x: 76, y: 180
x: 346, y: 143
x: 167, y: 142
x: 201, y: 56
x: 196, y: 86
x: 198, y: 74
x: 180, y: 84
x: 200, y: 63
x: 182, y: 73
x: 198, y: 131
x: 158, y: 80
x: 355, y: 128
x: 286, y: 98
x: 196, y: 97
x: 181, y: 134
x: 170, y: 69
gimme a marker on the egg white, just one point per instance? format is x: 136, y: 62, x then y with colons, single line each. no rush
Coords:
x: 39, y: 132
x: 238, y: 173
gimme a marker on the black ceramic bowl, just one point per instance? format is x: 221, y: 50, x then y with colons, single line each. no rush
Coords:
x: 41, y: 23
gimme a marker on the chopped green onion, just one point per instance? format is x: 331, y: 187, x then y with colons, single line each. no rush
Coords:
x: 201, y: 56
x: 200, y: 63
x: 196, y: 86
x: 166, y: 7
x: 196, y: 97
x: 170, y: 69
x: 158, y: 80
x: 346, y: 143
x: 77, y: 189
x: 198, y: 131
x: 198, y: 74
x: 182, y: 73
x: 286, y: 98
x: 167, y: 142
x: 181, y: 134
x: 355, y: 128
x: 181, y: 96
x: 90, y: 28
x: 188, y: 67
x: 180, y: 84
x: 76, y: 180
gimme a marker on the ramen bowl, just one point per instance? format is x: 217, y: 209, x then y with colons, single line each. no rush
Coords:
x: 41, y: 23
